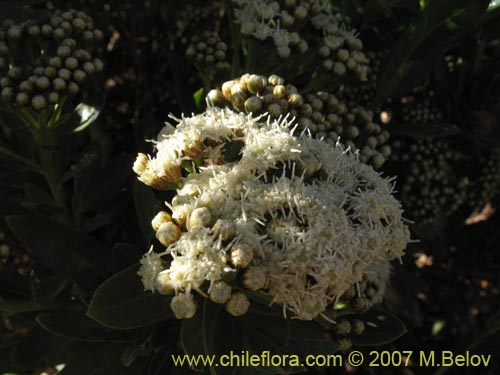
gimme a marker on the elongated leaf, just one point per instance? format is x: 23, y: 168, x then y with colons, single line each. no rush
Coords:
x: 121, y: 302
x: 12, y: 283
x: 71, y: 253
x: 17, y: 306
x: 45, y: 289
x: 146, y: 206
x: 31, y: 351
x: 75, y: 325
x: 101, y: 193
x: 95, y: 359
x: 418, y: 49
x: 434, y: 129
x: 14, y: 11
x: 89, y: 111
x: 380, y: 328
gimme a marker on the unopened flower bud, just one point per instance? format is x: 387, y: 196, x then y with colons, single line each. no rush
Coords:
x: 38, y: 102
x: 360, y: 304
x: 253, y: 105
x: 163, y: 283
x: 344, y: 344
x: 168, y: 233
x: 200, y: 217
x: 42, y: 83
x: 254, y: 278
x: 160, y: 218
x: 53, y: 98
x: 59, y: 84
x: 73, y: 88
x: 255, y: 83
x: 238, y: 304
x: 343, y: 327
x: 339, y: 69
x: 358, y: 326
x: 225, y: 229
x: 183, y: 306
x: 71, y: 63
x: 216, y: 98
x: 220, y: 292
x: 241, y: 255
x: 22, y: 99
x: 276, y: 80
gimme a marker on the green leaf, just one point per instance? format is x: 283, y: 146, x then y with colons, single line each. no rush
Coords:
x: 89, y: 111
x: 434, y: 129
x: 212, y: 331
x: 198, y: 97
x: 31, y: 351
x: 100, y: 192
x: 75, y: 325
x: 95, y: 359
x: 12, y: 283
x: 47, y: 288
x: 14, y: 11
x: 165, y: 334
x: 19, y: 306
x: 415, y: 53
x: 121, y: 302
x: 380, y: 328
x: 146, y: 206
x: 71, y: 253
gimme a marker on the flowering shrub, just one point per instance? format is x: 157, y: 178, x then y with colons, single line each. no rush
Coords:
x: 273, y: 213
x: 295, y: 217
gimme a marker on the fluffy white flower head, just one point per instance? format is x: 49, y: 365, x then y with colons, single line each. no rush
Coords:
x: 309, y: 215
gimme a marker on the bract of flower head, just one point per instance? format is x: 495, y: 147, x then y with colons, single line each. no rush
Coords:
x: 309, y: 216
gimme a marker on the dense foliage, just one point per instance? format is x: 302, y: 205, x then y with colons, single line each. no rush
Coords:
x: 306, y: 142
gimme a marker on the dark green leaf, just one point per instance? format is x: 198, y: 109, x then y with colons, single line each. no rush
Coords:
x: 47, y: 288
x: 31, y: 351
x: 14, y: 11
x: 76, y: 325
x: 198, y: 98
x: 380, y: 328
x: 146, y: 206
x: 165, y: 334
x: 73, y: 254
x: 89, y: 111
x: 100, y: 193
x: 17, y: 306
x: 12, y: 283
x: 417, y: 50
x: 95, y: 359
x: 121, y: 302
x: 433, y: 129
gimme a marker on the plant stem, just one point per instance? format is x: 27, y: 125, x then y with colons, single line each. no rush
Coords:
x: 12, y: 155
x: 51, y: 171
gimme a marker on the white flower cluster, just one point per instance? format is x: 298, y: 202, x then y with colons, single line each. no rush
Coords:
x: 304, y: 25
x: 295, y: 218
x: 264, y: 19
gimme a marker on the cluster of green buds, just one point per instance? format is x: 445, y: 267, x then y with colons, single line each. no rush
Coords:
x: 437, y: 178
x: 41, y: 63
x: 484, y: 179
x: 195, y: 15
x: 253, y: 205
x: 357, y: 299
x: 207, y: 51
x: 429, y: 182
x: 364, y: 92
x: 258, y: 94
x: 300, y: 26
x: 423, y: 110
x: 324, y: 115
